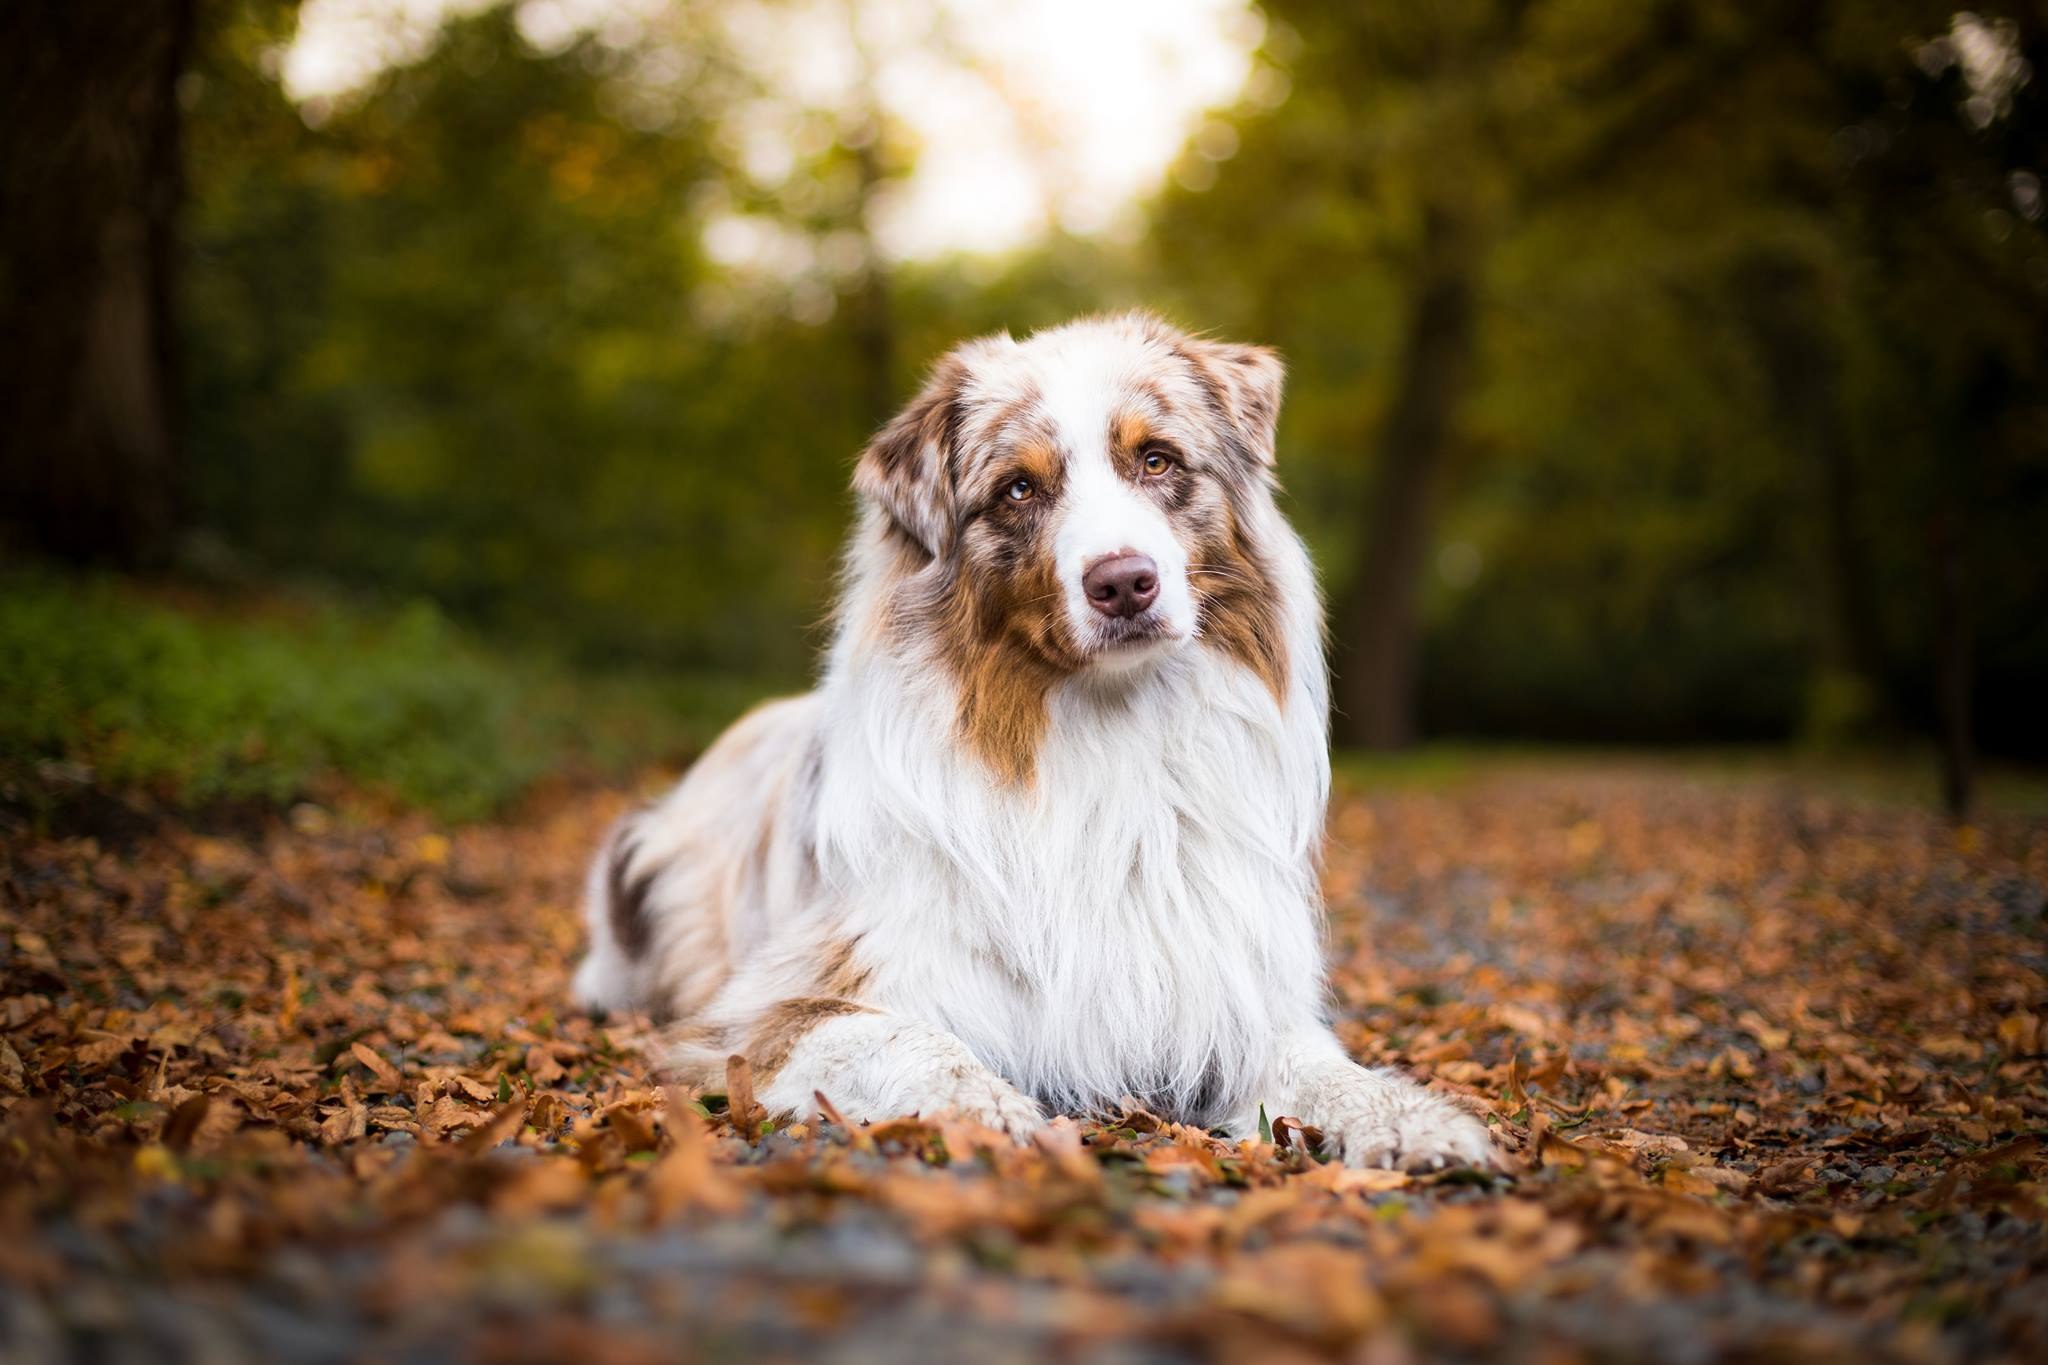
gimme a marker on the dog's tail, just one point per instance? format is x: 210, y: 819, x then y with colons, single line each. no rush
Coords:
x: 621, y: 928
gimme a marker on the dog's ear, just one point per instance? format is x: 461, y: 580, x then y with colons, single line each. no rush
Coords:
x: 908, y: 468
x: 1245, y: 382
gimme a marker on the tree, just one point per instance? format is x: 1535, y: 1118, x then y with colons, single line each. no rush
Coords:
x: 1527, y: 254
x: 89, y: 172
x: 1946, y: 197
x: 1419, y: 138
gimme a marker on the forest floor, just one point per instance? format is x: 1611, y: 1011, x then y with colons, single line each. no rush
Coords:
x: 1767, y: 1058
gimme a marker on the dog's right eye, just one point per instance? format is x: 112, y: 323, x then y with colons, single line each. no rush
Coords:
x: 1020, y: 491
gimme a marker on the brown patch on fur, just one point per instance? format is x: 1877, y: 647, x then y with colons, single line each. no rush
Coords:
x: 626, y: 898
x: 1238, y: 605
x: 1004, y: 716
x: 1035, y: 458
x: 979, y: 582
x: 1128, y: 432
x: 1005, y: 637
x: 1243, y: 385
x: 907, y: 468
x: 998, y: 612
x: 839, y: 975
x: 777, y: 1032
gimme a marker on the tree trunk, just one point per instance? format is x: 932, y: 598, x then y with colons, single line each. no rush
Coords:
x: 1783, y: 307
x: 89, y: 177
x: 1378, y: 629
x: 1952, y: 662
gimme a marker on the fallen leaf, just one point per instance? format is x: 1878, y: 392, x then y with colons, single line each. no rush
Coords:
x: 1315, y: 1291
x: 388, y: 1079
x: 746, y: 1115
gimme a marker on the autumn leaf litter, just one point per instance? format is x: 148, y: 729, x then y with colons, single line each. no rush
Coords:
x: 1767, y: 1065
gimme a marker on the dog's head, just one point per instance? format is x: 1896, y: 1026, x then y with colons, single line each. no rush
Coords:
x: 1080, y: 500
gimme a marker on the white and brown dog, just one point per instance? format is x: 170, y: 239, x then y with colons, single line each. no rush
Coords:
x: 1046, y: 835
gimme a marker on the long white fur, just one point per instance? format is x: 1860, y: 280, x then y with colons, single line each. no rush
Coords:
x: 1142, y: 919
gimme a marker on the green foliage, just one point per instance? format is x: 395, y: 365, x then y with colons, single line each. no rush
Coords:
x: 1722, y: 255
x: 450, y: 343
x: 1755, y: 303
x: 204, y: 704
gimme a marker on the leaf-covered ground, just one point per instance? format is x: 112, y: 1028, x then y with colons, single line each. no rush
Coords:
x: 1769, y: 1063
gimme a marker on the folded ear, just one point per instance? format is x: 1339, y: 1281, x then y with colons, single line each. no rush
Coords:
x: 907, y: 470
x: 1246, y: 383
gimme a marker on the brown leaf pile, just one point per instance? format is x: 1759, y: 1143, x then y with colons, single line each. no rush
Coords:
x: 1769, y: 1065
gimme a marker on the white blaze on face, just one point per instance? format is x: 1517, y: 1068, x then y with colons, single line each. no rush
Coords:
x: 1102, y: 514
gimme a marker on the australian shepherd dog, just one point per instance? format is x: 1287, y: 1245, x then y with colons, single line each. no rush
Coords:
x: 1046, y: 835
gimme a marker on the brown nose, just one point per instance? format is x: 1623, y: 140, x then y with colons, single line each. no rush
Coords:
x: 1121, y: 585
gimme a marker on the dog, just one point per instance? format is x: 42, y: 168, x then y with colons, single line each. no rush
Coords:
x: 1045, y: 838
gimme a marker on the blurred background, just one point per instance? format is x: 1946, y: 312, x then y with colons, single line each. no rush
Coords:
x: 441, y: 394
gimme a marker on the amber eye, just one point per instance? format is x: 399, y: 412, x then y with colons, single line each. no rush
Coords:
x: 1020, y: 491
x: 1157, y: 462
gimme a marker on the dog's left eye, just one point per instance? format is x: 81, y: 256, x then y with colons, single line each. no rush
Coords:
x: 1157, y: 462
x: 1020, y: 491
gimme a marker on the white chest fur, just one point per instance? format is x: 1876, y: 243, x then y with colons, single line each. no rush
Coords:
x: 1136, y: 921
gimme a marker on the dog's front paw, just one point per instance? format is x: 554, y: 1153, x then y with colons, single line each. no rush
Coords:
x: 999, y: 1106
x: 1397, y: 1125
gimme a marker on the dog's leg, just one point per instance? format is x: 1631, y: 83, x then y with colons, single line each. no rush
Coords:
x: 1372, y: 1118
x: 875, y: 1065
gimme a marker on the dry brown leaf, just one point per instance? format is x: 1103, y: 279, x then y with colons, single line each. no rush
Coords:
x: 1344, y: 1179
x: 1785, y: 1176
x: 686, y: 1177
x: 633, y: 1128
x: 388, y: 1080
x: 746, y: 1114
x: 500, y: 1127
x: 1646, y: 1144
x: 543, y: 1184
x: 473, y: 1089
x: 183, y: 1124
x: 1311, y: 1289
x: 542, y: 1067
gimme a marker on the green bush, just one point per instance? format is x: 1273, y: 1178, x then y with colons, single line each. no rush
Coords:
x: 208, y: 703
